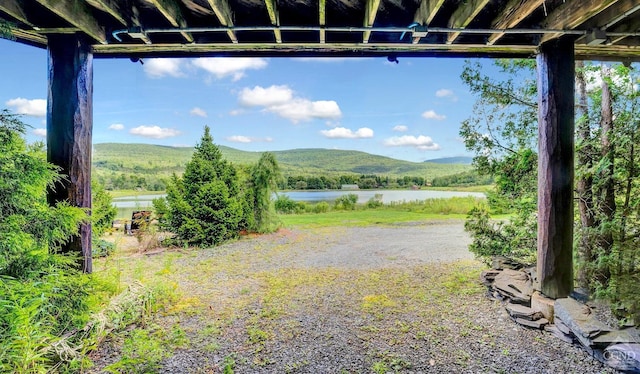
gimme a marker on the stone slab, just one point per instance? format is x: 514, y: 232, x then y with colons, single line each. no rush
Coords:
x: 521, y: 311
x: 538, y: 324
x: 543, y: 304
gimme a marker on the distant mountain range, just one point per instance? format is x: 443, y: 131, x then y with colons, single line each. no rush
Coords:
x: 452, y: 160
x: 163, y: 160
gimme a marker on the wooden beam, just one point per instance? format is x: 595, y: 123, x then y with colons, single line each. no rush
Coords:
x: 15, y: 9
x: 77, y: 13
x: 573, y: 13
x: 514, y: 12
x: 463, y: 16
x: 170, y: 9
x: 370, y: 11
x: 111, y: 7
x: 610, y: 20
x: 69, y: 129
x: 223, y: 11
x: 29, y: 36
x: 322, y: 8
x: 425, y: 13
x: 274, y: 16
x: 556, y: 71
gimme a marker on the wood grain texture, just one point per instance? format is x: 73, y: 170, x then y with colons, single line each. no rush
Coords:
x: 514, y: 12
x: 69, y: 130
x: 79, y: 14
x: 464, y: 15
x: 556, y: 70
x: 572, y: 14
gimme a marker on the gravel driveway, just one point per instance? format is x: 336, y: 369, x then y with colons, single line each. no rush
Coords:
x: 375, y: 299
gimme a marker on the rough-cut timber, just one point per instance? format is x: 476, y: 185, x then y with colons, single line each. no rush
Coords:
x: 69, y: 127
x: 556, y: 68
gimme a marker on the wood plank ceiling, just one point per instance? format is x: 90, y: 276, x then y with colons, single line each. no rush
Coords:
x: 602, y: 29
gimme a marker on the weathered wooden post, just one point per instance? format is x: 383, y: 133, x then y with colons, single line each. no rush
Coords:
x: 556, y: 71
x: 69, y: 128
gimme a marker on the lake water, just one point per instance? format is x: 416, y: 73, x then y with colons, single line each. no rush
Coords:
x: 144, y: 201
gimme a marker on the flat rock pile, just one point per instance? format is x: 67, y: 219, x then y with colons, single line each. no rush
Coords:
x: 568, y: 319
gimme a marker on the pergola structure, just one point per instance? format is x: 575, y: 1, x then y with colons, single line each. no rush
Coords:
x: 556, y: 31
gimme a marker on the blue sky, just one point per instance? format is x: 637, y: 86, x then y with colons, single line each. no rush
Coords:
x: 410, y: 111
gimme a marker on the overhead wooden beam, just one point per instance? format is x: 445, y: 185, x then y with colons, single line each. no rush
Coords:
x: 425, y: 13
x: 573, y: 13
x: 322, y: 8
x: 631, y: 26
x: 111, y: 7
x: 556, y: 71
x: 223, y: 11
x: 370, y: 11
x: 77, y: 13
x: 514, y: 12
x: 610, y: 19
x: 15, y: 9
x: 29, y: 36
x: 274, y: 16
x: 69, y: 130
x: 170, y: 9
x: 463, y: 16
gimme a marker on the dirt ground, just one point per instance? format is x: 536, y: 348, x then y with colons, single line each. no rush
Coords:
x: 376, y: 299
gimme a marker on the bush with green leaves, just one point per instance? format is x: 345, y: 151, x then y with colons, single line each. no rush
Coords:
x: 284, y: 204
x: 203, y: 207
x: 346, y: 202
x: 42, y: 294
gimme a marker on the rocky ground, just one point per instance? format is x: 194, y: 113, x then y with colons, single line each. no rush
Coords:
x: 402, y: 298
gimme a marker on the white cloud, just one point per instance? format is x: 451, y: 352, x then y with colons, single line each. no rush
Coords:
x: 161, y: 67
x: 198, y: 112
x: 155, y: 132
x: 270, y: 96
x: 282, y: 101
x: 116, y: 126
x: 35, y: 107
x: 246, y: 139
x: 446, y: 93
x: 236, y: 112
x: 234, y: 67
x: 400, y: 128
x: 431, y: 114
x: 305, y: 110
x: 344, y: 133
x: 421, y: 142
x: 239, y: 139
x: 40, y: 132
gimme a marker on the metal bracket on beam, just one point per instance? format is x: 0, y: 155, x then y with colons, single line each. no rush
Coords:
x: 420, y: 31
x: 596, y: 37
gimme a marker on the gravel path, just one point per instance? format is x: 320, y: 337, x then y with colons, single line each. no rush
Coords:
x: 402, y: 298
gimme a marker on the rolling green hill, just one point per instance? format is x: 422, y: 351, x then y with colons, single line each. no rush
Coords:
x: 452, y: 160
x: 152, y: 162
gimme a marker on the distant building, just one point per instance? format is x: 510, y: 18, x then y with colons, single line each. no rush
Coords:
x: 350, y: 187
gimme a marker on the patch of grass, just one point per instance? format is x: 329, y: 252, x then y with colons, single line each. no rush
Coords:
x: 142, y: 352
x: 360, y: 218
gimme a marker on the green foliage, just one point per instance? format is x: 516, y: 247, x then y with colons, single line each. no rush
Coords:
x: 102, y: 210
x: 203, y: 207
x: 149, y: 167
x: 285, y: 205
x: 262, y: 184
x: 142, y: 352
x: 346, y: 202
x: 502, y: 134
x: 464, y: 179
x: 42, y: 294
x: 375, y: 201
x: 501, y: 238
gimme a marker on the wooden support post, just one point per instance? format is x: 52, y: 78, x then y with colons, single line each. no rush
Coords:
x: 556, y: 70
x: 69, y: 128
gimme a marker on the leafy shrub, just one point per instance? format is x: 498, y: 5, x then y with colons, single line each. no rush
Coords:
x: 102, y: 248
x: 346, y: 202
x: 285, y: 205
x: 515, y: 239
x: 375, y: 201
x: 321, y: 207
